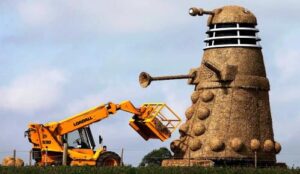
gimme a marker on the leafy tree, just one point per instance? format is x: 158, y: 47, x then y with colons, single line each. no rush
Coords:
x: 155, y: 157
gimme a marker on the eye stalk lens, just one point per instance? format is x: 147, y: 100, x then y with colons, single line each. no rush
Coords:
x: 194, y: 11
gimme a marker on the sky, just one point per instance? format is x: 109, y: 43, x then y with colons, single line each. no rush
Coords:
x: 59, y: 58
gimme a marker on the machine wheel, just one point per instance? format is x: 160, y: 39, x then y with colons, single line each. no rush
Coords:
x: 109, y: 158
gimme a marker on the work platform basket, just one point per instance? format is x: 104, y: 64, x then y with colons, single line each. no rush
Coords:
x: 158, y: 121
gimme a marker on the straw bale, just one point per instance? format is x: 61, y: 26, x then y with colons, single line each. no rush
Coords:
x: 202, y: 113
x: 238, y: 128
x: 254, y: 144
x: 266, y: 131
x: 222, y: 101
x: 19, y: 162
x: 6, y: 159
x: 207, y: 96
x: 225, y: 72
x: 213, y: 124
x: 9, y: 161
x: 228, y: 72
x: 186, y: 163
x: 248, y: 60
x: 204, y: 73
x: 268, y: 146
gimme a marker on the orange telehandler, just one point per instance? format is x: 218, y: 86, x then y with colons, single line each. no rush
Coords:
x: 151, y: 121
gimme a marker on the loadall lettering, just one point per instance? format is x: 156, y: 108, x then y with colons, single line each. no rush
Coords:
x: 82, y: 121
x: 46, y: 142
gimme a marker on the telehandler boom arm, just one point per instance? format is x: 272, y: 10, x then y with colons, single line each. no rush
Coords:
x: 93, y: 115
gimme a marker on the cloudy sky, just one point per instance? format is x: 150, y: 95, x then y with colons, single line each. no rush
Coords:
x: 61, y: 57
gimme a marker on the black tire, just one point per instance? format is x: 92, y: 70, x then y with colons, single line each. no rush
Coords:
x: 108, y: 159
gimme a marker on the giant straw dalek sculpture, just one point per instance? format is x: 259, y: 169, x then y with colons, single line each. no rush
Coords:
x: 229, y: 121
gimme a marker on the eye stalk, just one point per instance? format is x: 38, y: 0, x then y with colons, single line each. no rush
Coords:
x: 194, y: 11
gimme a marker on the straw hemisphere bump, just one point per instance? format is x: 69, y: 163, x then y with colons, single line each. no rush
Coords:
x: 175, y: 143
x: 268, y: 146
x: 198, y: 129
x: 277, y: 147
x: 195, y: 96
x: 207, y: 96
x: 182, y: 138
x: 189, y: 112
x: 236, y: 144
x: 216, y: 145
x: 202, y: 113
x: 174, y: 146
x: 195, y: 144
x: 254, y: 144
x: 183, y: 129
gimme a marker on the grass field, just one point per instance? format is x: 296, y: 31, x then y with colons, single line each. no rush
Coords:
x: 142, y: 170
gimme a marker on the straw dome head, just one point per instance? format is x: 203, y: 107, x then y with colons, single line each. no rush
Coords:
x: 231, y: 14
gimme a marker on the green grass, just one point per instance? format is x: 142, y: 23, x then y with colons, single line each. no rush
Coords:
x: 142, y: 170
